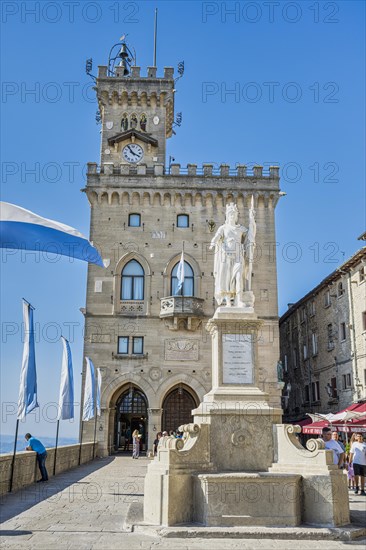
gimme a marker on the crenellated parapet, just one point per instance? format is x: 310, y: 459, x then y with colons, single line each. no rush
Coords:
x: 207, y: 170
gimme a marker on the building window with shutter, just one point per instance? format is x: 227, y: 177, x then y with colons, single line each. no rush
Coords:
x: 342, y: 330
x: 333, y: 383
x: 330, y: 336
x: 314, y: 343
x: 315, y: 391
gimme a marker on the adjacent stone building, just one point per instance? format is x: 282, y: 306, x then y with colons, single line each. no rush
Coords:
x: 322, y: 343
x: 148, y: 339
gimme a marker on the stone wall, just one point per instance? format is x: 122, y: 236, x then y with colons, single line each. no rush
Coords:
x: 26, y: 469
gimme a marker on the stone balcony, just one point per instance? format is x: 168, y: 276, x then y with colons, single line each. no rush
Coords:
x: 182, y: 308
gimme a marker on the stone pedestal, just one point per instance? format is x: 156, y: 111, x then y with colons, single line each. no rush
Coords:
x: 236, y: 410
x: 237, y: 465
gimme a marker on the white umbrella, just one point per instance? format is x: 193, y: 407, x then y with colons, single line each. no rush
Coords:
x: 338, y: 417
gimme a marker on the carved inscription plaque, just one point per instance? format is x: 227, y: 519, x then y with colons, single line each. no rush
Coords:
x: 181, y: 349
x: 237, y: 359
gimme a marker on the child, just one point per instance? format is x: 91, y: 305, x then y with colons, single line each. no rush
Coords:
x: 350, y: 475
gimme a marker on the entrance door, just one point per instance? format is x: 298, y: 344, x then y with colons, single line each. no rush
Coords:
x: 131, y: 415
x: 177, y: 407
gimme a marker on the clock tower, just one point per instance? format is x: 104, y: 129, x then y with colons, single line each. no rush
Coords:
x: 137, y: 115
x: 144, y: 331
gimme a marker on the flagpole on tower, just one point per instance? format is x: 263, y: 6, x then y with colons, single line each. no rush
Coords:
x: 155, y: 34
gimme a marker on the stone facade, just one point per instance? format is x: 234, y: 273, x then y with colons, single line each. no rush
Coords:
x: 175, y: 360
x: 322, y: 341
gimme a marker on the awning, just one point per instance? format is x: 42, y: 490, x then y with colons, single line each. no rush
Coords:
x: 315, y: 427
x: 356, y: 424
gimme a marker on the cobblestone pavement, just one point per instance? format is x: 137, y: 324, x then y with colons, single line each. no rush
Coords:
x: 86, y: 507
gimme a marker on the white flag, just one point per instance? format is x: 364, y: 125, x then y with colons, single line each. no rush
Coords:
x: 180, y: 274
x: 28, y: 375
x: 66, y: 399
x: 89, y: 390
x: 99, y: 392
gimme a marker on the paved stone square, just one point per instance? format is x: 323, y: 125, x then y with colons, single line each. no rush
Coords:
x: 86, y: 508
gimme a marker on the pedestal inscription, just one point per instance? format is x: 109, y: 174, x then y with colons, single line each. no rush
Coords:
x: 237, y: 359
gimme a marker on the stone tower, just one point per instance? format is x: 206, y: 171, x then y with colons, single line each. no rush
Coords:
x: 149, y: 340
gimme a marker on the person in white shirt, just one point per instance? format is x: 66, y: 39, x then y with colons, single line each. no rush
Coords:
x: 332, y: 445
x: 358, y: 457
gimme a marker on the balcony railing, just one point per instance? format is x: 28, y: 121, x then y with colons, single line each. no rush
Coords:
x: 181, y: 306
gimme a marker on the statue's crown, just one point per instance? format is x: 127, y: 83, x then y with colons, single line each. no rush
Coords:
x: 231, y: 207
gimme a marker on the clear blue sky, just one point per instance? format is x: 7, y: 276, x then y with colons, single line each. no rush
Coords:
x: 297, y: 70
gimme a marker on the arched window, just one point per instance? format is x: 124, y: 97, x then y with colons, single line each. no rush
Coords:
x: 188, y: 284
x: 133, y: 123
x: 124, y: 122
x: 132, y: 285
x: 143, y: 122
x: 133, y: 401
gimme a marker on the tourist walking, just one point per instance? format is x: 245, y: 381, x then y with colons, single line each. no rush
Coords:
x: 156, y: 443
x: 127, y: 438
x: 335, y: 437
x: 36, y: 446
x: 357, y: 457
x: 332, y: 445
x: 136, y: 444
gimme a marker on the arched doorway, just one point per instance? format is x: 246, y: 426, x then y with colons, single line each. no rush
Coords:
x: 177, y: 408
x: 131, y: 414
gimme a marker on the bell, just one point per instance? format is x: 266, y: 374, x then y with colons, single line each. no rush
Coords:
x: 123, y: 53
x: 123, y: 64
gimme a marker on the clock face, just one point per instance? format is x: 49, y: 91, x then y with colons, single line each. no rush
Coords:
x: 133, y: 153
x: 156, y: 120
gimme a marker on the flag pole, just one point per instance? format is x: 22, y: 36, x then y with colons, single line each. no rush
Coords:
x: 14, y: 453
x: 183, y: 281
x: 95, y: 433
x: 81, y: 441
x: 95, y: 412
x: 29, y: 304
x: 54, y: 462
